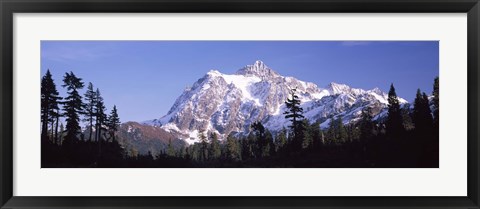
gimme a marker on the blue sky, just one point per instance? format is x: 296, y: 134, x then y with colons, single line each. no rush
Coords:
x: 143, y: 78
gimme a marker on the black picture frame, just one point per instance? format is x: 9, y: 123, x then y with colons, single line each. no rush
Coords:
x: 10, y: 7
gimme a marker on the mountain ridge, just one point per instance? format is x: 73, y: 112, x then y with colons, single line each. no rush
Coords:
x: 226, y: 103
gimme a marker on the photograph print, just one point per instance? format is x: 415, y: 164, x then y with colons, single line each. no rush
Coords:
x: 239, y: 104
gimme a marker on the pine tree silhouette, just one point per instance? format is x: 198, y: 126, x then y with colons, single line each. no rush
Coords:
x: 49, y: 105
x: 91, y: 100
x: 113, y: 122
x: 394, y: 120
x: 295, y: 113
x: 73, y: 106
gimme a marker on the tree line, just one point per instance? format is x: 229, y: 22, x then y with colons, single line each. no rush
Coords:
x: 68, y: 145
x: 406, y: 137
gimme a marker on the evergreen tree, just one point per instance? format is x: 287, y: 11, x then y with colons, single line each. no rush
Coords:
x: 233, y: 148
x: 250, y: 146
x: 113, y: 122
x: 429, y: 116
x: 194, y: 152
x: 407, y: 117
x: 60, y: 137
x: 259, y: 143
x: 353, y: 132
x: 90, y: 105
x: 307, y: 135
x: 57, y: 118
x: 394, y: 120
x: 366, y: 124
x: 281, y: 139
x: 436, y: 101
x: 183, y: 153
x: 49, y: 103
x: 203, y: 146
x: 294, y: 113
x: 215, y: 150
x: 73, y: 105
x: 331, y: 131
x: 417, y: 111
x: 422, y: 116
x: 341, y: 133
x: 258, y: 129
x: 269, y: 148
x: 100, y: 116
x: 100, y: 119
x: 54, y: 117
x: 316, y: 134
x: 322, y: 137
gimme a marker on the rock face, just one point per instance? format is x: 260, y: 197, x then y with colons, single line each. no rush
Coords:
x: 224, y: 103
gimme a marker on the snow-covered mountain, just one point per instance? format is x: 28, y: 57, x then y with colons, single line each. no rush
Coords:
x: 225, y: 103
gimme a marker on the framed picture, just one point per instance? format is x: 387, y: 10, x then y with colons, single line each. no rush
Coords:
x: 236, y: 104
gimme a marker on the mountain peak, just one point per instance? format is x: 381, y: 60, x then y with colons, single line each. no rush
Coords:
x: 336, y: 88
x: 377, y: 91
x: 333, y: 84
x: 260, y: 63
x: 213, y: 72
x: 259, y: 69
